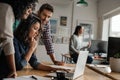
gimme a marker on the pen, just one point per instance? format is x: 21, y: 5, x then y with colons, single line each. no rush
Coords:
x: 34, y: 77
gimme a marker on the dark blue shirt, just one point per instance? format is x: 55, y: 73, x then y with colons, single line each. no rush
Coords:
x: 20, y: 52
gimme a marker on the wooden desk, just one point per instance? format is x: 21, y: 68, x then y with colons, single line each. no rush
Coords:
x: 88, y: 75
x: 112, y: 75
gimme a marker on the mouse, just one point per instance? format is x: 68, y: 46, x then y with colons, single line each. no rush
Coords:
x: 107, y: 69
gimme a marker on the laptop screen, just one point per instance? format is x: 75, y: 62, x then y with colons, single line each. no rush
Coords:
x: 81, y: 62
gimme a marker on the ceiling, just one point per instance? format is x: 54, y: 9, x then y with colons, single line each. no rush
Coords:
x: 58, y: 2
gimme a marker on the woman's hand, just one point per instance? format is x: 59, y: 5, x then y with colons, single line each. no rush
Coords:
x: 12, y: 75
x: 89, y: 44
x: 33, y: 43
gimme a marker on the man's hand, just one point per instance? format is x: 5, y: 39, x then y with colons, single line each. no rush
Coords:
x: 59, y: 63
x: 55, y: 61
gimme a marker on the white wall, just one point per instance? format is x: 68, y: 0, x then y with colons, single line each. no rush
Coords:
x: 64, y: 8
x: 105, y: 7
x: 86, y: 14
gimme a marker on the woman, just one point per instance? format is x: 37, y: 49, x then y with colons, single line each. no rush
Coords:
x: 25, y: 43
x: 75, y: 44
x: 11, y: 10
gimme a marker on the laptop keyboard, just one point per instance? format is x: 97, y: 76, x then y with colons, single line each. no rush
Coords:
x: 69, y: 75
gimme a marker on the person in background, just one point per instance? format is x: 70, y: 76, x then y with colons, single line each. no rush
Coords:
x: 10, y: 11
x: 25, y: 43
x: 75, y: 44
x: 45, y: 13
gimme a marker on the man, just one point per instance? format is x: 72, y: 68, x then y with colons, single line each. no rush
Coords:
x: 45, y: 13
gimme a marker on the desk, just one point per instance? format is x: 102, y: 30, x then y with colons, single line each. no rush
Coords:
x: 112, y: 75
x: 88, y: 75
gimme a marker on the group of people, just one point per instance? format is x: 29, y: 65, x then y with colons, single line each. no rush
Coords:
x: 19, y: 33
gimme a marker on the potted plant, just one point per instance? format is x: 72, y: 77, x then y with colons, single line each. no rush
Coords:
x: 115, y: 62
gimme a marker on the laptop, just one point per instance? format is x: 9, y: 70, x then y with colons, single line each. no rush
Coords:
x: 79, y: 68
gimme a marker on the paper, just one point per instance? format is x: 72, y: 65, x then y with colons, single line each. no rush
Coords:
x: 29, y: 77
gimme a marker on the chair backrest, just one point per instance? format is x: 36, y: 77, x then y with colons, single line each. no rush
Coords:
x: 67, y: 58
x: 98, y: 46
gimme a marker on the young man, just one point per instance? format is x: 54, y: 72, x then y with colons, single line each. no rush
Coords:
x: 45, y: 13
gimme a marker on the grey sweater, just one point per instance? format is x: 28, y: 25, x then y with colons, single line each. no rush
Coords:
x: 75, y: 44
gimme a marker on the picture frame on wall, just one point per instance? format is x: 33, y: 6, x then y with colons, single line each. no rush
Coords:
x: 63, y: 21
x: 88, y: 29
x: 54, y: 24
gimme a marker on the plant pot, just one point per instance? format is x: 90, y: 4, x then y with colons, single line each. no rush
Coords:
x: 115, y: 64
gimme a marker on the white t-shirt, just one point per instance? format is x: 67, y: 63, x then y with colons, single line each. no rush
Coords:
x: 6, y: 32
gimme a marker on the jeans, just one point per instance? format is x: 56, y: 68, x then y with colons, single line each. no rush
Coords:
x: 75, y: 57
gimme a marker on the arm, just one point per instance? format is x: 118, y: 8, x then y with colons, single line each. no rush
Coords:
x: 23, y: 56
x: 36, y: 65
x: 45, y: 68
x: 10, y: 59
x: 88, y: 46
x: 6, y: 23
x: 19, y: 55
x: 48, y: 68
x: 49, y: 46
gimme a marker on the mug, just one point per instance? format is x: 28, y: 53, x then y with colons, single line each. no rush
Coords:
x: 60, y: 75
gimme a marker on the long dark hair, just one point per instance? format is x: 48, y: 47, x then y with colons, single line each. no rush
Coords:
x: 21, y: 33
x: 19, y: 6
x: 77, y: 29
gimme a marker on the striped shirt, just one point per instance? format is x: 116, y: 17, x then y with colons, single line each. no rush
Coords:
x: 46, y: 36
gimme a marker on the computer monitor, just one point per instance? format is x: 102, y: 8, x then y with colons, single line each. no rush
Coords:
x: 113, y: 46
x: 98, y: 46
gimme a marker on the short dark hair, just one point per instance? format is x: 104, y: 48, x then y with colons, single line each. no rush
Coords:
x: 21, y: 33
x: 47, y: 7
x: 19, y: 6
x: 77, y: 29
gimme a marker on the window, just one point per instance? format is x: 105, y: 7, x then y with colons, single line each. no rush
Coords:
x: 115, y: 26
x: 111, y: 27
